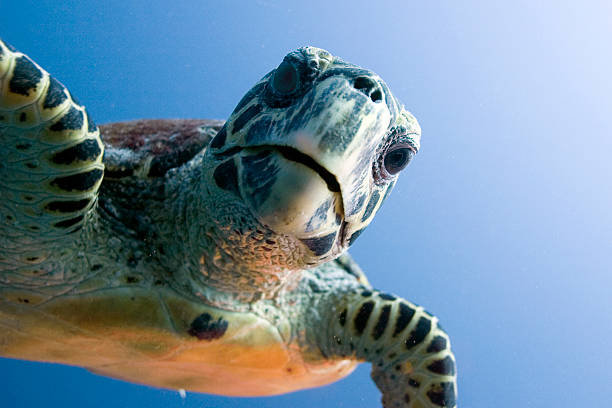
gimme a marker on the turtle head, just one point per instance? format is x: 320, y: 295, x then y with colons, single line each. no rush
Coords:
x: 312, y: 150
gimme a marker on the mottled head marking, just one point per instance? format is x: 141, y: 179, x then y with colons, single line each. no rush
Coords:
x: 318, y: 143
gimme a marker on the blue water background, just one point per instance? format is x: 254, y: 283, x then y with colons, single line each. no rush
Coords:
x: 501, y: 226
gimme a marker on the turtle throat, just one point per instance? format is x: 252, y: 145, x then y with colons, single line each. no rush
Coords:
x: 224, y: 255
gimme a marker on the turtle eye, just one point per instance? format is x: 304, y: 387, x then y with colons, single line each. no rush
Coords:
x: 397, y: 157
x: 285, y: 78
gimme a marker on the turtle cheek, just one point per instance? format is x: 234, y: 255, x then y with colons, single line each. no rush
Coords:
x: 366, y: 209
x: 286, y: 196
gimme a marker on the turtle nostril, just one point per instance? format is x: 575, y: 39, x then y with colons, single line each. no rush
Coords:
x: 369, y: 87
x: 364, y: 84
x: 376, y: 96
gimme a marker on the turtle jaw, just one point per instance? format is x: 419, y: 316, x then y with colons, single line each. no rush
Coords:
x: 291, y: 194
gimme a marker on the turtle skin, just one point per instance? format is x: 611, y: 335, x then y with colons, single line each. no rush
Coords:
x: 208, y: 255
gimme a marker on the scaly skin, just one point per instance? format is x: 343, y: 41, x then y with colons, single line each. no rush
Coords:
x: 411, y: 360
x: 247, y: 233
x: 50, y: 171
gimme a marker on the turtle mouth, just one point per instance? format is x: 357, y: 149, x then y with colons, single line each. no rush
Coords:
x: 294, y: 155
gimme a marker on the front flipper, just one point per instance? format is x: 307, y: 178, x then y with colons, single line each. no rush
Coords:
x: 412, y: 363
x: 50, y: 166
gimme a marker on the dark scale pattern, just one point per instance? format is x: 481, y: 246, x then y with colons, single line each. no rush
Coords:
x: 55, y: 94
x: 87, y: 150
x: 383, y: 321
x: 245, y: 117
x: 320, y: 245
x: 78, y: 182
x: 204, y: 327
x: 74, y: 98
x: 258, y: 130
x: 26, y: 76
x: 437, y: 344
x: 405, y: 315
x: 355, y: 235
x: 91, y: 125
x: 419, y: 333
x: 259, y: 173
x: 69, y: 222
x: 446, y: 366
x: 67, y: 206
x: 443, y: 394
x: 359, y: 204
x: 249, y: 96
x: 371, y: 206
x: 385, y: 296
x: 219, y: 139
x: 73, y: 120
x: 363, y: 315
x: 226, y: 176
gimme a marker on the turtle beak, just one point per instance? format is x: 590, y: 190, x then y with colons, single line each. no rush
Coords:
x: 341, y: 132
x: 312, y: 161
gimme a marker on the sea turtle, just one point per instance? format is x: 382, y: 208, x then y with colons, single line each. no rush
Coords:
x: 211, y: 256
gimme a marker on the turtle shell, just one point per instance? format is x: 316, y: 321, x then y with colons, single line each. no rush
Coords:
x: 148, y: 148
x: 137, y: 156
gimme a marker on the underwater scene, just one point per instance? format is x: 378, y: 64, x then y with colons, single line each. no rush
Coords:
x: 180, y: 194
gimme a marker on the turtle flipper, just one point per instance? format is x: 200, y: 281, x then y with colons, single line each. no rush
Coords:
x: 50, y: 163
x: 412, y: 363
